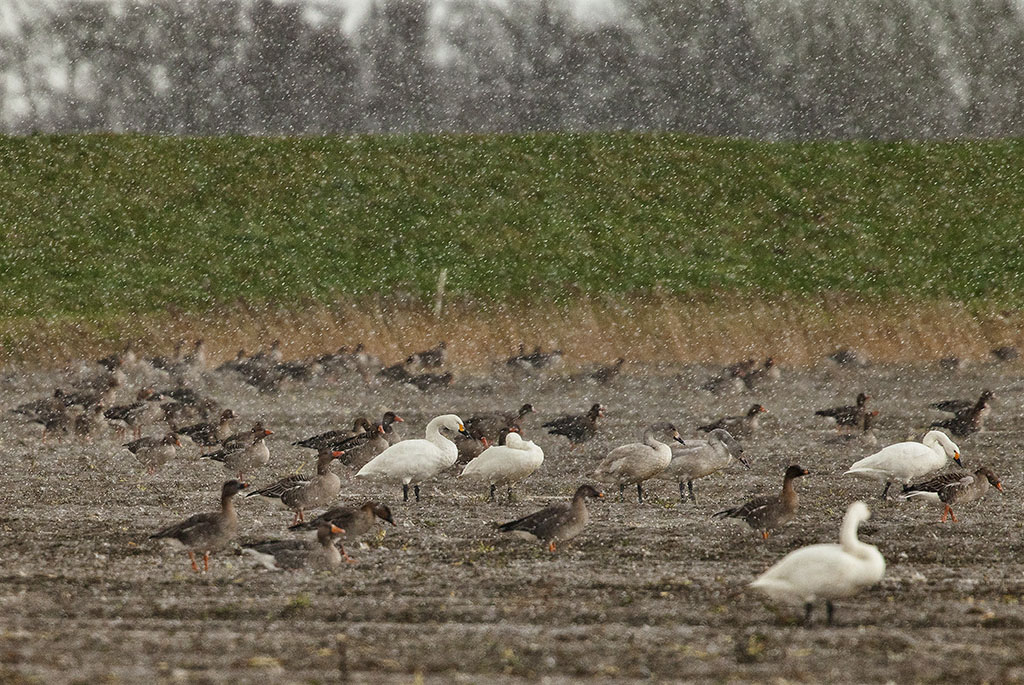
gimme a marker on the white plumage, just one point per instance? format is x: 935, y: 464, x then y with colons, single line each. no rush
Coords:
x: 906, y: 461
x: 826, y: 571
x: 506, y: 465
x: 414, y: 461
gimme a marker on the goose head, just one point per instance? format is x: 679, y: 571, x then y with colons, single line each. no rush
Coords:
x: 993, y: 479
x: 381, y: 511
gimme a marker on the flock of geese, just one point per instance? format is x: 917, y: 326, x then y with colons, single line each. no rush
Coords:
x: 490, y: 448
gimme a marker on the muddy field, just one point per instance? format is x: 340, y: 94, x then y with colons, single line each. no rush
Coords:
x: 652, y: 592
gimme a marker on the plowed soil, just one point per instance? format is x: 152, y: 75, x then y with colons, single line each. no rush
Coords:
x: 646, y: 592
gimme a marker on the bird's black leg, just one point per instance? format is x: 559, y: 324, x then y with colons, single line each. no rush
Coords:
x: 492, y: 493
x: 689, y: 484
x: 807, y: 614
x: 682, y: 491
x: 885, y: 492
x: 622, y: 490
x: 640, y: 493
x: 405, y: 492
x: 416, y: 489
x: 830, y: 609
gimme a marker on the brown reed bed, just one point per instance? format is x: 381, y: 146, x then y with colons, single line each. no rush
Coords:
x: 650, y: 329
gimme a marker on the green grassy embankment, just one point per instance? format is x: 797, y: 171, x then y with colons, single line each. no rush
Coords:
x: 116, y: 238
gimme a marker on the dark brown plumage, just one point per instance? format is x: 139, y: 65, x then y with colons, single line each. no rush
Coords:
x: 207, y: 532
x: 848, y: 416
x: 357, y: 521
x: 209, y: 434
x: 767, y: 514
x: 556, y: 523
x: 487, y: 427
x: 969, y: 418
x: 738, y: 425
x: 578, y: 428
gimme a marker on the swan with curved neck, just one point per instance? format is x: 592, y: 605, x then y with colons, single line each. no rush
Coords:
x: 506, y: 465
x: 825, y: 571
x: 411, y: 462
x: 907, y: 461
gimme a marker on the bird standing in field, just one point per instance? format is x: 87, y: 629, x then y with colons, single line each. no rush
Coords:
x: 969, y: 417
x: 411, y: 462
x: 638, y: 461
x: 505, y: 465
x: 954, y: 488
x: 825, y: 571
x: 243, y: 451
x: 299, y: 493
x: 848, y: 416
x: 556, y: 523
x: 904, y: 461
x: 745, y: 424
x: 207, y: 532
x: 578, y: 428
x: 695, y: 459
x: 357, y: 521
x: 154, y: 452
x: 767, y: 514
x: 210, y: 434
x: 486, y: 427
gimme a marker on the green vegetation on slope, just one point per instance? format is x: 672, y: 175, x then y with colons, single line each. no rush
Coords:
x: 109, y: 224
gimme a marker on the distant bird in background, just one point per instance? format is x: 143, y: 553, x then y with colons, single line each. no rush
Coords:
x: 968, y: 417
x: 578, y: 428
x: 848, y: 416
x: 743, y: 425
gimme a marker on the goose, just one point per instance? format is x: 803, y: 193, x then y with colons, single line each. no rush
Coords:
x: 954, y: 488
x: 767, y: 514
x: 275, y: 555
x: 154, y: 452
x: 332, y: 439
x: 299, y: 493
x: 414, y: 461
x: 905, y: 461
x: 825, y: 571
x: 695, y: 459
x: 145, y: 409
x: 505, y: 465
x: 556, y: 523
x: 738, y: 425
x: 577, y: 427
x: 470, y: 449
x: 207, y: 532
x: 244, y: 451
x: 969, y: 416
x: 90, y: 421
x: 768, y: 372
x: 638, y: 461
x: 357, y: 521
x: 486, y: 427
x: 847, y: 416
x: 210, y: 434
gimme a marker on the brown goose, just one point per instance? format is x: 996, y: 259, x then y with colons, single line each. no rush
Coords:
x: 90, y: 422
x: 207, y: 532
x: 299, y: 493
x: 471, y: 448
x: 357, y: 521
x: 210, y: 434
x: 556, y: 523
x: 487, y: 427
x: 426, y: 382
x: 606, y: 374
x: 333, y: 439
x: 768, y: 372
x: 738, y: 425
x: 243, y: 451
x: 848, y: 416
x: 767, y: 514
x: 954, y: 488
x: 275, y: 555
x: 578, y: 428
x: 433, y: 358
x: 969, y: 417
x: 154, y: 452
x: 145, y: 409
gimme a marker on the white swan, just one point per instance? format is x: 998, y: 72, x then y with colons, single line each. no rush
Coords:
x: 906, y: 461
x: 698, y: 458
x: 506, y: 465
x: 414, y: 461
x: 638, y: 461
x: 826, y: 571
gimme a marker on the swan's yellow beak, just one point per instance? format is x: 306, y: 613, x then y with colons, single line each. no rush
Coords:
x: 956, y: 458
